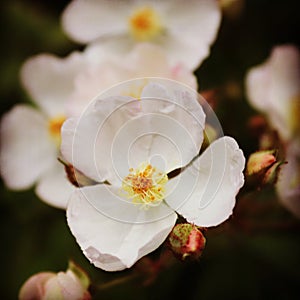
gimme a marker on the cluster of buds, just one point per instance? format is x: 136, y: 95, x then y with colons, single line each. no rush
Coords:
x: 70, y: 285
x: 187, y: 241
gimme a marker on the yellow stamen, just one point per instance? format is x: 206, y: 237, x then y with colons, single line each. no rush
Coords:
x: 145, y: 24
x: 54, y: 127
x: 145, y: 185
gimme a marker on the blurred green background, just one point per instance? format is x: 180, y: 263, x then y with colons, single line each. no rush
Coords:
x: 255, y: 255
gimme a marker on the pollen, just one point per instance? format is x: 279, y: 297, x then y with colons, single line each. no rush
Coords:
x: 145, y: 24
x: 54, y: 127
x: 145, y: 185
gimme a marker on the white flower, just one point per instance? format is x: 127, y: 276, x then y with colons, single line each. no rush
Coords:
x: 62, y: 87
x: 134, y: 144
x: 30, y: 137
x: 104, y: 70
x: 185, y: 29
x: 274, y: 89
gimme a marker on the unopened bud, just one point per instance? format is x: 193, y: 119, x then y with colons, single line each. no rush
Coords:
x: 187, y: 241
x: 69, y: 285
x: 260, y: 161
x: 263, y: 168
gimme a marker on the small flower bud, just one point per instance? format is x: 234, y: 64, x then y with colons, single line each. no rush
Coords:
x: 259, y: 161
x: 69, y: 285
x: 263, y: 168
x: 186, y: 241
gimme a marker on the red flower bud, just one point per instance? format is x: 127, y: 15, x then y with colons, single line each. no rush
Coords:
x: 186, y: 241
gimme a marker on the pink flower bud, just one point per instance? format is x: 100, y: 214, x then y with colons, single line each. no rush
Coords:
x: 260, y: 161
x: 187, y: 241
x: 60, y: 286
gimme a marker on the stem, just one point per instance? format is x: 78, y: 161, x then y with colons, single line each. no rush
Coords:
x: 115, y: 282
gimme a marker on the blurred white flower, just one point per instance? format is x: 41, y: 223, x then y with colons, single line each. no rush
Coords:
x: 104, y: 70
x: 184, y: 29
x: 274, y: 89
x: 59, y: 286
x: 133, y: 144
x: 30, y: 136
x: 288, y: 185
x: 62, y: 87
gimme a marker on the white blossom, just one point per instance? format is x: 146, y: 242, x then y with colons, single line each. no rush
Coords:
x: 129, y: 146
x: 184, y: 29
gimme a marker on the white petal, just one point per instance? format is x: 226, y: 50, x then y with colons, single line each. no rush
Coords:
x: 257, y: 85
x: 87, y: 141
x: 285, y: 70
x: 109, y: 47
x: 27, y: 151
x: 261, y: 88
x: 85, y: 21
x: 63, y: 286
x: 288, y: 185
x: 95, y: 79
x: 273, y: 85
x: 177, y: 121
x: 49, y: 80
x: 205, y: 192
x: 150, y: 60
x: 54, y: 188
x: 184, y: 50
x: 192, y: 29
x: 110, y: 244
x: 109, y: 201
x: 70, y: 286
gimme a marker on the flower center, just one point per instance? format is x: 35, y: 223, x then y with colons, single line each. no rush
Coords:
x: 145, y: 185
x: 145, y: 24
x: 54, y: 127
